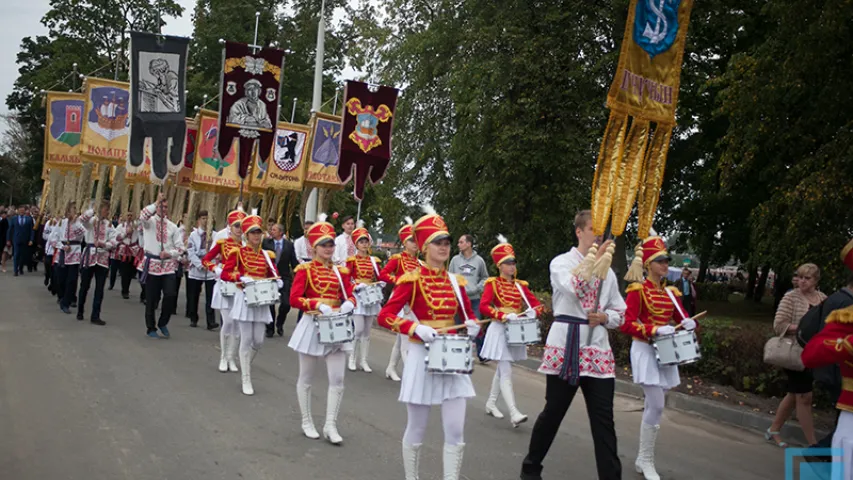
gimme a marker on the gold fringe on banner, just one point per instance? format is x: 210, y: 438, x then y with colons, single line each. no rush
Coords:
x: 103, y: 179
x: 629, y: 174
x: 606, y: 168
x: 653, y: 179
x: 55, y: 193
x: 118, y: 194
x: 136, y: 199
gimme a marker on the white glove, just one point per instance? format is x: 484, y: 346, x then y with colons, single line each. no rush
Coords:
x: 347, y: 307
x: 358, y: 287
x: 382, y: 284
x: 665, y: 330
x: 217, y: 270
x: 688, y: 324
x: 530, y: 313
x: 325, y: 309
x: 427, y: 334
x: 473, y: 328
x: 279, y: 284
x: 510, y: 317
x: 244, y: 280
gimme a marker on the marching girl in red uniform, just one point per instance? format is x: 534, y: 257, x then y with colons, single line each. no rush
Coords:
x: 397, y: 266
x: 652, y: 309
x: 320, y: 286
x: 435, y: 298
x: 227, y: 242
x: 502, y: 300
x: 364, y: 270
x: 247, y: 265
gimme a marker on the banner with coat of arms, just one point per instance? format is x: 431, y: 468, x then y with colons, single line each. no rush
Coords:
x: 211, y: 172
x: 64, y: 125
x: 324, y: 152
x: 644, y: 92
x: 106, y: 122
x: 286, y: 170
x: 366, y: 139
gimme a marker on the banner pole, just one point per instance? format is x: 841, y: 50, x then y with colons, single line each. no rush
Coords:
x: 293, y: 111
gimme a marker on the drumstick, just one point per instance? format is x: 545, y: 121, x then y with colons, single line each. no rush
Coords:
x: 462, y: 325
x: 694, y: 318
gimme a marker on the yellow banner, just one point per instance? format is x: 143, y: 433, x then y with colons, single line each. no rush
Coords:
x: 106, y: 124
x: 63, y: 127
x: 286, y: 170
x: 324, y: 154
x: 211, y: 173
x: 649, y: 70
x: 143, y: 175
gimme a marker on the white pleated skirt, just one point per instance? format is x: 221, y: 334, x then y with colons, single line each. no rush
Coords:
x: 496, y: 348
x: 306, y: 340
x: 420, y: 387
x: 244, y: 313
x: 644, y: 366
x: 219, y: 302
x: 843, y: 440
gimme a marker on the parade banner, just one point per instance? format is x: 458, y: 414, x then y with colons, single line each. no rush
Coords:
x: 289, y: 157
x: 185, y: 176
x: 141, y: 174
x: 158, y: 70
x: 258, y: 173
x: 64, y: 125
x: 249, y: 101
x: 366, y: 140
x: 107, y: 123
x: 324, y: 154
x: 633, y: 153
x: 211, y: 172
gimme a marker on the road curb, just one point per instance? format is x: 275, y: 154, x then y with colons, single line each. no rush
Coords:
x: 753, y: 421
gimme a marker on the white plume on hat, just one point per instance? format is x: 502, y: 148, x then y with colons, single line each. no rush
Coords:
x: 322, y: 217
x: 429, y: 210
x: 360, y: 223
x: 502, y: 239
x: 408, y: 220
x: 254, y: 211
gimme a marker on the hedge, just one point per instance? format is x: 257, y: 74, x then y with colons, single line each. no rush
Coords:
x: 713, y: 292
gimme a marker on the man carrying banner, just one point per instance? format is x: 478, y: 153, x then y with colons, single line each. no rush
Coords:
x: 163, y: 245
x: 99, y: 241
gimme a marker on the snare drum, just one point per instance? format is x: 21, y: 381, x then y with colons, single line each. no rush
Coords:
x: 261, y: 293
x: 227, y: 289
x: 369, y: 294
x: 450, y: 354
x: 680, y: 348
x: 523, y: 331
x: 335, y: 328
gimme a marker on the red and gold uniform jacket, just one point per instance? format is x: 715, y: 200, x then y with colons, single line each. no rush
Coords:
x: 501, y: 297
x: 222, y: 250
x: 248, y: 262
x: 397, y: 266
x: 834, y: 345
x: 649, y: 307
x: 361, y: 269
x: 315, y: 283
x: 430, y: 296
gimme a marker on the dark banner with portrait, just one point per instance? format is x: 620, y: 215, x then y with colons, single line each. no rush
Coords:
x: 249, y: 101
x: 158, y: 70
x: 366, y: 133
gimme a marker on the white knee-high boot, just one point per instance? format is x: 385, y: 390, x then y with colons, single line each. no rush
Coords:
x: 246, y: 370
x: 391, y: 370
x: 333, y: 407
x: 365, y: 349
x: 453, y: 461
x: 491, y: 403
x: 645, y: 463
x: 411, y: 460
x: 509, y: 398
x: 233, y: 346
x: 352, y: 355
x: 303, y: 393
x: 224, y: 345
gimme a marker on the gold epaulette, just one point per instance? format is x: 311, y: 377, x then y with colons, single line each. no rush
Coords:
x: 221, y: 241
x: 634, y: 287
x: 343, y: 270
x: 302, y: 266
x: 409, y: 277
x: 351, y: 259
x: 522, y: 283
x: 491, y: 280
x: 842, y: 315
x: 462, y: 281
x: 377, y: 260
x: 271, y: 254
x: 674, y: 290
x: 396, y: 256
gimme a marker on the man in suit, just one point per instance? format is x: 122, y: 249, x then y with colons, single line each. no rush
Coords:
x: 286, y: 261
x: 20, y: 238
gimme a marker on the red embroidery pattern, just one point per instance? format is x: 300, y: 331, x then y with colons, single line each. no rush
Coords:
x: 594, y: 362
x: 161, y: 231
x: 586, y: 292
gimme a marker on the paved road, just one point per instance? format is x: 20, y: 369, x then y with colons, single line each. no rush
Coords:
x: 78, y: 401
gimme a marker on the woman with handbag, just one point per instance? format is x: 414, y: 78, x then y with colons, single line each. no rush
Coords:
x: 791, y: 309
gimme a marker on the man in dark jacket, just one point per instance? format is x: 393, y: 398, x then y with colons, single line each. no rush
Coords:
x: 20, y: 237
x: 285, y: 262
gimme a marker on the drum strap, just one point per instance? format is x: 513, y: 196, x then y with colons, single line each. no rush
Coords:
x: 269, y: 262
x: 675, y: 302
x: 341, y: 281
x: 570, y: 371
x: 375, y: 268
x: 523, y: 296
x: 458, y: 293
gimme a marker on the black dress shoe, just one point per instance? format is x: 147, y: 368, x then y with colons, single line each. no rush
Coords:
x: 269, y: 334
x: 213, y: 326
x: 125, y: 296
x: 280, y: 331
x: 79, y: 316
x: 98, y: 321
x: 65, y: 310
x: 194, y: 324
x: 73, y: 304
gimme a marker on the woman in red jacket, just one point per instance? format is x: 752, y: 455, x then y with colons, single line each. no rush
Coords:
x: 652, y: 309
x: 247, y: 265
x: 364, y: 269
x: 435, y: 297
x: 320, y: 287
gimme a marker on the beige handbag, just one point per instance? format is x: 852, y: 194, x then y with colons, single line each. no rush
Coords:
x: 784, y: 352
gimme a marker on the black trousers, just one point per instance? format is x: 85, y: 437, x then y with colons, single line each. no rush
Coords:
x: 193, y: 293
x: 155, y: 286
x: 115, y: 265
x: 128, y: 273
x: 283, y: 307
x: 19, y: 257
x: 99, y: 273
x: 689, y: 305
x: 48, y: 272
x: 178, y: 277
x: 598, y: 396
x: 68, y: 279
